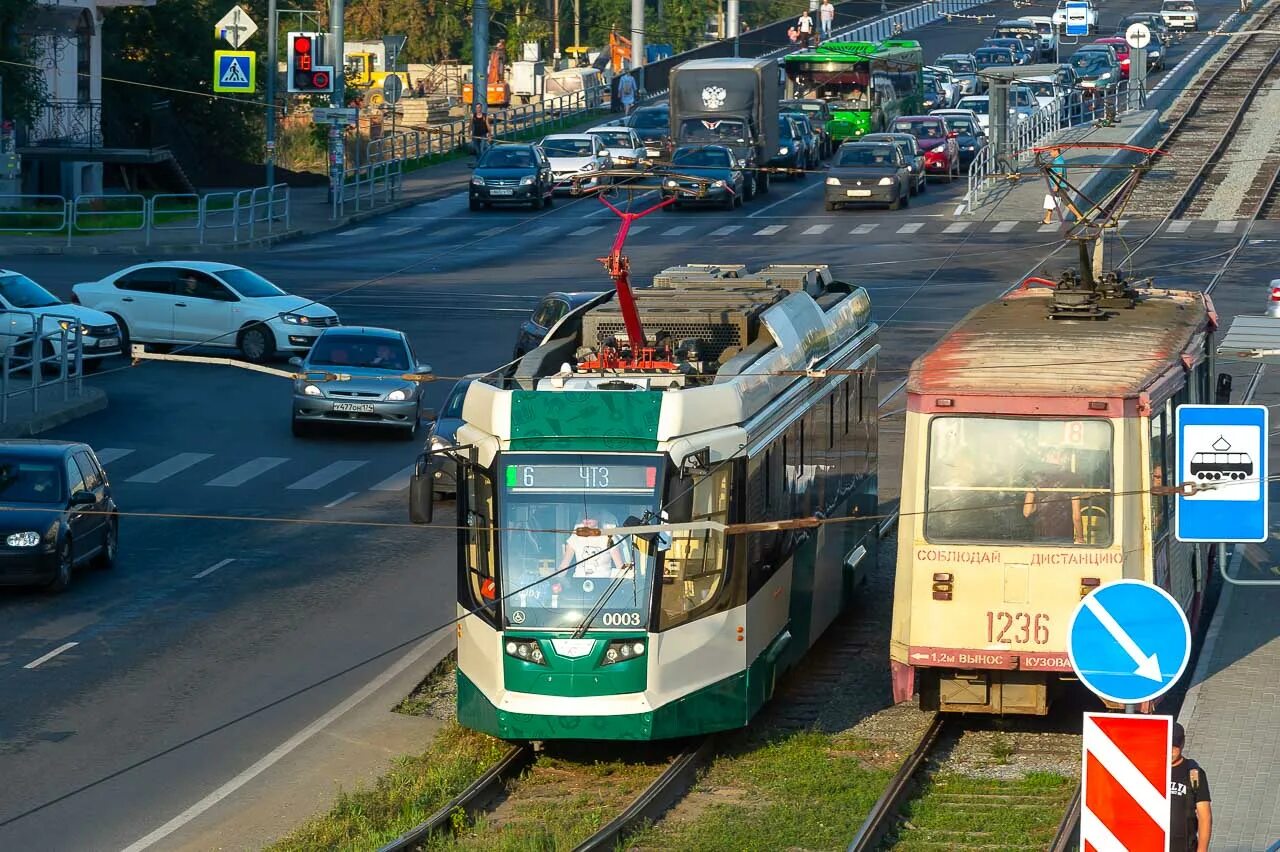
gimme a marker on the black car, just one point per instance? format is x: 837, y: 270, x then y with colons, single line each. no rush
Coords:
x: 1161, y: 36
x: 443, y: 436
x: 994, y: 57
x: 813, y: 144
x: 56, y: 513
x: 714, y: 163
x: 868, y: 173
x: 969, y: 137
x: 512, y: 174
x: 935, y: 96
x: 818, y: 113
x: 548, y: 312
x: 793, y: 151
x: 912, y: 154
x: 653, y: 125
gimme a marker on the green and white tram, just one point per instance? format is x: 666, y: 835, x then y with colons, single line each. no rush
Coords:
x: 756, y: 403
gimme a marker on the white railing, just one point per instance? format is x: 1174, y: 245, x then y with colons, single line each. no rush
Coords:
x: 374, y: 183
x: 52, y: 342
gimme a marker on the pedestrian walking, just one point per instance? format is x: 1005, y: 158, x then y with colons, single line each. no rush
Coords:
x: 827, y: 18
x: 805, y: 26
x: 1191, y: 812
x: 1055, y: 199
x: 479, y: 129
x: 627, y: 92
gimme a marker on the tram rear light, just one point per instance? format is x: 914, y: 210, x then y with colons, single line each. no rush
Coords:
x: 943, y: 583
x: 1097, y: 405
x: 1088, y: 584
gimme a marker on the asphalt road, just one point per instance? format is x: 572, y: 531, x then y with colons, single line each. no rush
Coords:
x: 189, y: 667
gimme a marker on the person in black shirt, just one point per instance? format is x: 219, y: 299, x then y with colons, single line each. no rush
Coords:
x: 1191, y: 817
x: 479, y: 129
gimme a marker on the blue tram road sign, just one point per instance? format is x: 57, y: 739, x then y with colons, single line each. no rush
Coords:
x: 1077, y: 18
x: 1129, y: 641
x: 1222, y: 451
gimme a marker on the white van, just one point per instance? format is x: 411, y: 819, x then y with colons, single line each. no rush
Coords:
x: 573, y: 88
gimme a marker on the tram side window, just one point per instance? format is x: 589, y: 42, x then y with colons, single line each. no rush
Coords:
x: 694, y: 575
x: 477, y: 589
x: 1160, y: 444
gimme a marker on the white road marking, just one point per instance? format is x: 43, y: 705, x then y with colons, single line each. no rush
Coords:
x: 214, y: 567
x: 396, y: 482
x: 816, y: 229
x: 589, y: 229
x: 1003, y: 227
x: 910, y: 227
x: 676, y: 231
x: 865, y: 229
x: 280, y: 751
x: 1226, y: 226
x: 325, y: 475
x: 400, y: 232
x: 1178, y: 226
x: 356, y: 231
x: 770, y: 230
x: 107, y: 455
x: 725, y: 231
x: 543, y: 231
x: 243, y: 473
x: 344, y: 498
x: 169, y: 467
x: 956, y: 227
x: 636, y: 229
x: 49, y: 656
x: 768, y: 207
x: 489, y: 232
x: 1044, y: 229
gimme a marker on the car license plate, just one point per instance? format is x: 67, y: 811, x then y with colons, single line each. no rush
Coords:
x: 858, y: 193
x: 502, y: 192
x: 108, y: 342
x: 652, y: 152
x: 353, y: 406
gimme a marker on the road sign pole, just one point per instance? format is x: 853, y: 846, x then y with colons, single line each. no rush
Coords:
x: 480, y: 59
x: 273, y: 61
x: 337, y: 153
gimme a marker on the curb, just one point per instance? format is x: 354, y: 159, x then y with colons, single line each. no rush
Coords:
x: 91, y: 400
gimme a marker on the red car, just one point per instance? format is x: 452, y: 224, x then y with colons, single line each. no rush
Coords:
x: 936, y: 140
x: 1122, y: 52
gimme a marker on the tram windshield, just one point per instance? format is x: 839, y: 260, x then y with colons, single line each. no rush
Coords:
x: 1008, y: 481
x: 555, y: 571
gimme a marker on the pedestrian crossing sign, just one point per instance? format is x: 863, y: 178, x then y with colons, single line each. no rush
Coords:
x: 235, y: 71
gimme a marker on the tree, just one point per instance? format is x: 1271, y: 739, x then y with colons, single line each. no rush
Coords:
x: 22, y: 85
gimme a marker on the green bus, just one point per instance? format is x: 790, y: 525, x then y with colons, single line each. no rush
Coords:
x: 867, y: 85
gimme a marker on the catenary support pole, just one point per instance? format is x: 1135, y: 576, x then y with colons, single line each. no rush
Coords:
x: 273, y: 61
x: 480, y: 56
x: 337, y: 153
x: 637, y: 39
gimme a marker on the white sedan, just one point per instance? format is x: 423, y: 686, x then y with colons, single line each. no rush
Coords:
x: 624, y: 146
x: 29, y: 308
x: 980, y: 106
x: 576, y: 154
x: 206, y: 304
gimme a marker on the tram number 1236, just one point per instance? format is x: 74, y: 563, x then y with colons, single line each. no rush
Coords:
x: 1019, y: 628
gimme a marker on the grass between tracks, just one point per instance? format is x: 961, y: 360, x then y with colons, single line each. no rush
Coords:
x: 957, y: 812
x: 801, y: 791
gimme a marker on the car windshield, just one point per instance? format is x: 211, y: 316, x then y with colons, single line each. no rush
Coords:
x: 803, y: 106
x: 567, y: 147
x: 1087, y: 61
x: 981, y: 107
x: 1178, y: 6
x: 453, y: 405
x: 358, y: 350
x: 960, y: 125
x: 507, y: 158
x: 785, y: 128
x: 865, y: 155
x: 701, y: 157
x: 713, y: 130
x: 557, y: 568
x: 249, y: 284
x: 960, y: 65
x: 920, y: 129
x: 1042, y: 89
x: 21, y: 292
x: 802, y: 123
x: 614, y: 139
x: 1050, y: 483
x: 650, y: 118
x: 987, y: 57
x: 28, y: 480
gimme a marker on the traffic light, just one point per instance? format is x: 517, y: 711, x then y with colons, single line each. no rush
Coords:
x: 306, y: 75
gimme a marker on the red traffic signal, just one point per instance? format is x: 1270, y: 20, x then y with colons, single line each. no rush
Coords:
x: 302, y: 44
x: 304, y: 75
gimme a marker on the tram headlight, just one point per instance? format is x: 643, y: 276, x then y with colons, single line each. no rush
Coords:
x: 527, y: 650
x: 621, y: 650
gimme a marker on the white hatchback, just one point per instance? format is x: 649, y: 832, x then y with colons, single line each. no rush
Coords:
x: 198, y: 303
x: 622, y: 143
x: 29, y: 308
x: 576, y: 154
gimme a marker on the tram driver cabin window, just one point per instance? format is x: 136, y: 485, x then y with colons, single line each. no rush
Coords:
x: 1019, y: 482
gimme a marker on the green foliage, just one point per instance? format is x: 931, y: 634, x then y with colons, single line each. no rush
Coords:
x: 23, y: 85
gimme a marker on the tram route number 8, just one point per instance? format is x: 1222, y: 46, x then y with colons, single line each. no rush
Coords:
x: 1020, y: 628
x: 620, y: 619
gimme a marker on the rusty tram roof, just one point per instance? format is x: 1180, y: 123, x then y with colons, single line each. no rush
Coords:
x: 1011, y: 346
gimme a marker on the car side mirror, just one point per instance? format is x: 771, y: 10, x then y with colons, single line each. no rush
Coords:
x: 421, y: 502
x: 429, y: 414
x: 295, y: 361
x: 83, y: 498
x: 424, y: 367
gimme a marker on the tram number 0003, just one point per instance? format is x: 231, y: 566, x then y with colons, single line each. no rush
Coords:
x: 620, y: 619
x: 1020, y: 628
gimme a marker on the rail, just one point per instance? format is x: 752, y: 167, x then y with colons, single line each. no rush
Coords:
x: 33, y: 351
x: 884, y: 813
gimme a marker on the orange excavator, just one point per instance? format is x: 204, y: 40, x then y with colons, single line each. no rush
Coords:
x: 619, y: 51
x: 499, y: 93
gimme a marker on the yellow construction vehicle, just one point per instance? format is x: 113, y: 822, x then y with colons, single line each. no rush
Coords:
x: 363, y: 72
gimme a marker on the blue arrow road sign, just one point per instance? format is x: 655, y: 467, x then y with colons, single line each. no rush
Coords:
x: 1129, y: 641
x: 1222, y: 451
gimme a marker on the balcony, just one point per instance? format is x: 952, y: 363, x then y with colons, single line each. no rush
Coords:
x: 67, y: 124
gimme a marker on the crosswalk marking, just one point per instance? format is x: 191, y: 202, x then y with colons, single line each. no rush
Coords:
x: 1226, y: 226
x: 325, y: 475
x: 356, y: 231
x: 1178, y: 227
x: 243, y: 473
x: 396, y: 482
x: 1044, y: 229
x: 910, y: 227
x: 107, y: 455
x: 589, y: 229
x: 544, y: 230
x: 677, y: 230
x: 400, y: 232
x: 864, y: 229
x: 726, y: 230
x: 1003, y: 227
x: 637, y: 229
x: 770, y: 230
x: 956, y: 228
x: 489, y: 232
x: 168, y: 467
x: 813, y: 230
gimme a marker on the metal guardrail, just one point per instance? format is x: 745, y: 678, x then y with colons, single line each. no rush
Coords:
x: 63, y: 339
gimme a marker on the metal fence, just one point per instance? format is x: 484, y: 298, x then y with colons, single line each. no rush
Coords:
x: 1078, y: 110
x: 51, y: 344
x: 231, y: 216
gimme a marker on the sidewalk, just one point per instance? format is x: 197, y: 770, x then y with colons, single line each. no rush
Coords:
x: 23, y: 422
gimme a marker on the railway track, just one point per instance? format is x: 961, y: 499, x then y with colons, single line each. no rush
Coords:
x: 1238, y: 177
